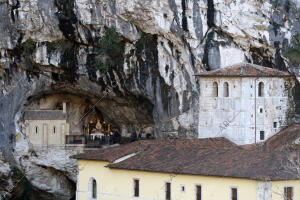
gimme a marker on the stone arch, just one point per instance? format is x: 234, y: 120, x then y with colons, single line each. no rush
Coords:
x: 92, y: 189
x: 261, y: 89
x: 225, y: 89
x: 215, y: 89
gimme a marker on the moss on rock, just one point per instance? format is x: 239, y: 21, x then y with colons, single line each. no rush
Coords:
x: 53, y: 46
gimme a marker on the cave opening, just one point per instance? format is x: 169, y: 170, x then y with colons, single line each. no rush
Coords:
x: 63, y: 119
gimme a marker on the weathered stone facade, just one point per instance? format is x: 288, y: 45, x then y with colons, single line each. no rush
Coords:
x: 46, y: 127
x: 238, y: 111
x: 46, y: 132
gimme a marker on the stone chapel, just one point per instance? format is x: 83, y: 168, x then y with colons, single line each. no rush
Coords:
x: 47, y: 127
x: 245, y: 103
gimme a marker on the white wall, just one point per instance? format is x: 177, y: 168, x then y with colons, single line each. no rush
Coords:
x: 234, y: 116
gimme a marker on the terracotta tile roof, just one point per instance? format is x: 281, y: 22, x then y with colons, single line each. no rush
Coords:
x: 44, y: 115
x: 245, y: 70
x: 113, y: 153
x: 209, y: 157
x: 285, y: 139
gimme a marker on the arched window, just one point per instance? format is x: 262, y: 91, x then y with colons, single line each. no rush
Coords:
x: 215, y: 89
x: 54, y: 129
x: 36, y: 130
x: 92, y: 187
x: 261, y: 91
x: 225, y: 90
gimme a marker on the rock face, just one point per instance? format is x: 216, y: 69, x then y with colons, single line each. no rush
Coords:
x: 50, y: 47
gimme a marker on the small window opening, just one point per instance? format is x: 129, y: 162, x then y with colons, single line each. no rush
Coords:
x: 261, y: 110
x: 36, y: 130
x: 182, y: 188
x: 261, y: 89
x: 198, y: 192
x: 275, y: 124
x: 54, y: 129
x: 288, y: 193
x: 215, y: 89
x: 168, y: 191
x: 262, y: 135
x: 234, y: 194
x: 136, y: 187
x: 225, y: 90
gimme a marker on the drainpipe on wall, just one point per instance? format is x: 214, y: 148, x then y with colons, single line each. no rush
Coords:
x: 255, y: 109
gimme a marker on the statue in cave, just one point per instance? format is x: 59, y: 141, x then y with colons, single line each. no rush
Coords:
x: 98, y: 126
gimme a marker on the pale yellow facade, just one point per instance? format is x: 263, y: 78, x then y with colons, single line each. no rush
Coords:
x: 114, y: 184
x: 47, y: 132
x: 278, y: 189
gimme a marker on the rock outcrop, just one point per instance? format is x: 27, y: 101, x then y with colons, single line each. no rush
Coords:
x: 50, y: 47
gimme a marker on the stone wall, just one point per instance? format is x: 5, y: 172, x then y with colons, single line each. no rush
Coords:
x: 244, y: 113
x: 45, y: 135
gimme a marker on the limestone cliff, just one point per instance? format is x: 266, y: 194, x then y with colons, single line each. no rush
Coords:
x: 137, y: 56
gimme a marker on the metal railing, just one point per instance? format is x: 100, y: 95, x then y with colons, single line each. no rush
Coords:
x: 75, y: 139
x: 95, y: 142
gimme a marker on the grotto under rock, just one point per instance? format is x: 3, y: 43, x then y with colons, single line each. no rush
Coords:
x: 140, y: 56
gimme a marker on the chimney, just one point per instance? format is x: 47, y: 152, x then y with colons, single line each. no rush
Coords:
x: 64, y: 107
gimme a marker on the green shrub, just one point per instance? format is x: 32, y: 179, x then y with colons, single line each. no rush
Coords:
x: 109, y: 51
x: 28, y: 46
x: 52, y: 46
x: 26, y: 50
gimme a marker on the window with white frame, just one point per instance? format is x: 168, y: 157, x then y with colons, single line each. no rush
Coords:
x: 288, y: 193
x: 234, y: 193
x: 92, y: 189
x: 198, y: 192
x: 168, y: 190
x: 136, y: 187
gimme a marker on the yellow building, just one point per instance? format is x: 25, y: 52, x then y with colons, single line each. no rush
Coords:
x: 46, y: 127
x: 182, y: 169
